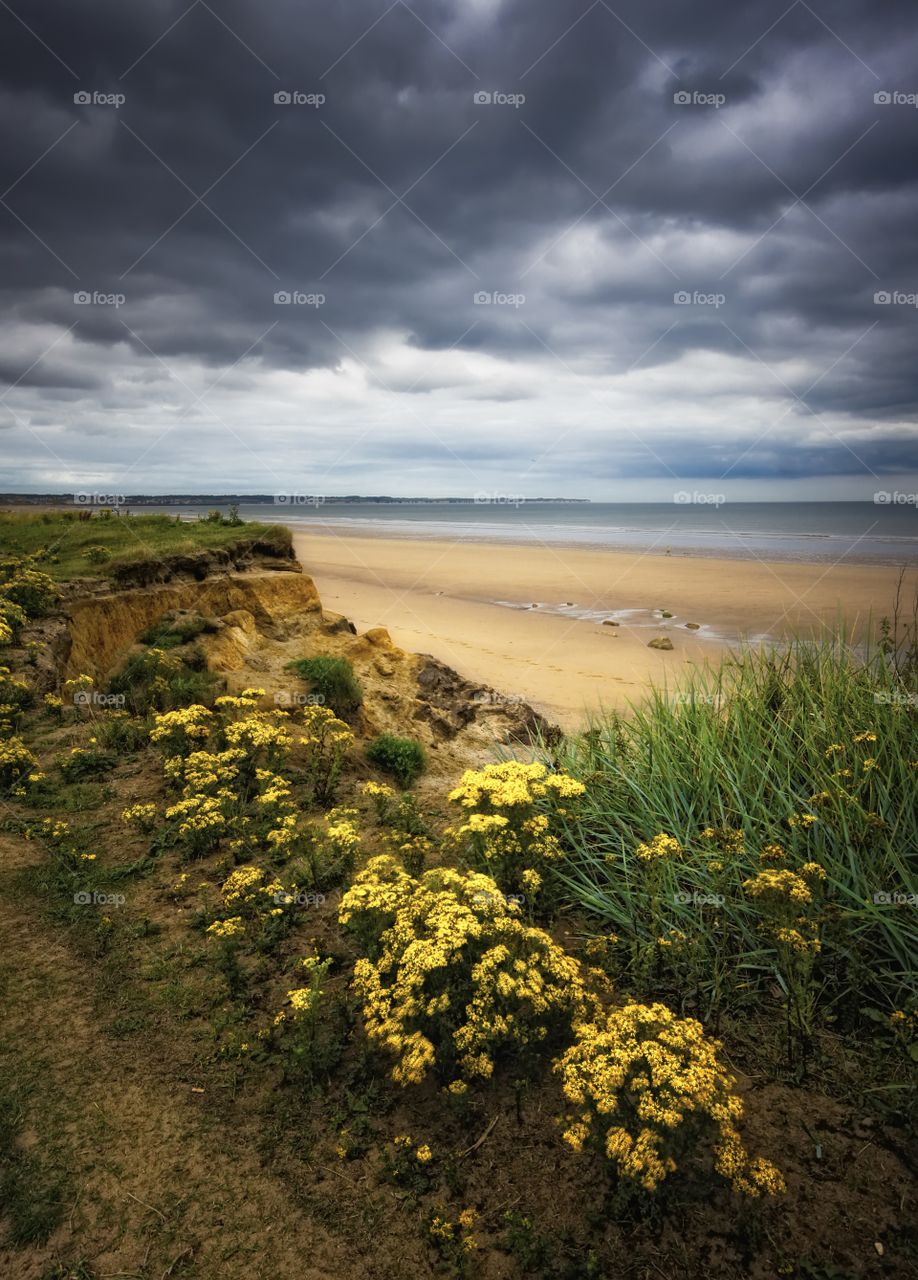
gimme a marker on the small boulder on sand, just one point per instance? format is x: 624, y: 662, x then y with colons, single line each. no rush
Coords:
x: 693, y: 626
x: 661, y: 642
x: 610, y: 622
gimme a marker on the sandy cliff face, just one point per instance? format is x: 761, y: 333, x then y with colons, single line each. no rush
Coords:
x: 268, y: 613
x: 103, y: 627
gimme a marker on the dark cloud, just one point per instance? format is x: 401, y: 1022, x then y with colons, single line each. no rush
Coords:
x: 780, y: 185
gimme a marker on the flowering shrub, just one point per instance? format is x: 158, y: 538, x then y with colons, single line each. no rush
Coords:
x: 248, y: 891
x: 323, y: 745
x: 261, y: 737
x: 16, y: 761
x: 30, y: 590
x: 200, y: 822
x: 236, y: 767
x: 157, y: 680
x: 87, y: 762
x: 328, y: 851
x: 650, y: 1088
x: 511, y: 827
x: 454, y: 1241
x: 15, y: 694
x: 453, y: 979
x: 12, y: 618
x: 297, y: 1027
x: 382, y: 797
x: 179, y: 732
x: 790, y: 917
x: 254, y: 908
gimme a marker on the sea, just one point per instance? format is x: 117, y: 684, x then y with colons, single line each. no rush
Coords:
x: 878, y: 533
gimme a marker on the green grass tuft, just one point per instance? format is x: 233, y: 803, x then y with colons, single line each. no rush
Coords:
x: 333, y: 681
x: 404, y: 758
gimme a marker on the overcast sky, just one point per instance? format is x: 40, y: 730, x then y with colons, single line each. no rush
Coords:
x: 583, y: 249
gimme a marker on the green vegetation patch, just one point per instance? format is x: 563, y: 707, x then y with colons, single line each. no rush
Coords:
x: 777, y: 762
x: 332, y: 680
x: 403, y: 758
x: 31, y: 1192
x: 75, y: 544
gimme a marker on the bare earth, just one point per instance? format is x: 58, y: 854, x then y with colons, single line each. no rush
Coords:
x: 438, y: 597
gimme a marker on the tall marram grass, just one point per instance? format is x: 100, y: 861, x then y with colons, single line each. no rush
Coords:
x: 768, y: 736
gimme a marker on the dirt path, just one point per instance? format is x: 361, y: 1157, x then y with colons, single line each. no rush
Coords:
x: 158, y: 1183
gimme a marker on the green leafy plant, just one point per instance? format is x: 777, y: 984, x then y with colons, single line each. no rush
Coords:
x: 333, y: 681
x: 404, y: 758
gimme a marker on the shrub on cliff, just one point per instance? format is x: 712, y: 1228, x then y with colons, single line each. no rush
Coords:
x: 332, y: 680
x: 404, y: 758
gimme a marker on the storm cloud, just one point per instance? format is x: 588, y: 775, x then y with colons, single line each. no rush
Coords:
x: 438, y: 247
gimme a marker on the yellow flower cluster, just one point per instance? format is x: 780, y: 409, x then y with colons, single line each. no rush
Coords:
x: 260, y: 731
x: 454, y: 1238
x: 201, y: 821
x: 243, y: 703
x: 227, y: 929
x: 787, y: 898
x: 512, y: 824
x: 511, y: 784
x: 144, y: 815
x: 457, y: 979
x: 247, y: 890
x: 781, y: 883
x: 661, y: 846
x: 16, y: 760
x: 649, y: 1086
x: 728, y: 839
x: 179, y: 730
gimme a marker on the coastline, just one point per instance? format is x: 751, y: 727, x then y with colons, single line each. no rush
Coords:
x: 528, y: 620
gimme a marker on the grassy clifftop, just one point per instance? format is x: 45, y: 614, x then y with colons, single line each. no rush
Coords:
x: 76, y: 544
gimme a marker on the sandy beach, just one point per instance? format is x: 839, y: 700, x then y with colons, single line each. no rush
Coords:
x: 439, y: 597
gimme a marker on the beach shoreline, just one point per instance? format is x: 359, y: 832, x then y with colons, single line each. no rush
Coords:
x: 530, y: 620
